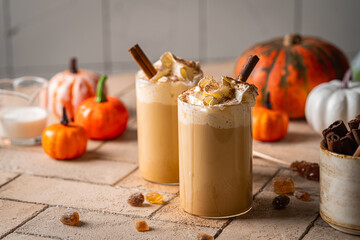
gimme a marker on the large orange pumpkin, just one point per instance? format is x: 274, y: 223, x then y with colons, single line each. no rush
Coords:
x: 70, y: 88
x: 290, y: 68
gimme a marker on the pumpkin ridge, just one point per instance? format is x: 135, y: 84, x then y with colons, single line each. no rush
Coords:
x: 339, y: 60
x: 301, y: 67
x: 328, y: 57
x: 320, y: 56
x: 268, y: 70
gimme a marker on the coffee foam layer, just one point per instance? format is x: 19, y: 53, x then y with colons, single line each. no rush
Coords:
x: 228, y: 91
x: 161, y: 92
x: 224, y: 116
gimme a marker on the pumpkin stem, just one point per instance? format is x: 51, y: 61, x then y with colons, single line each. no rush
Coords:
x: 346, y: 79
x: 291, y: 39
x: 64, y: 119
x: 73, y: 65
x: 100, y: 95
x: 267, y: 102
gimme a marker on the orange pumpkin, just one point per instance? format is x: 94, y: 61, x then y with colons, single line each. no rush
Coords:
x: 269, y: 125
x: 64, y: 140
x: 102, y: 117
x: 290, y: 68
x: 70, y: 88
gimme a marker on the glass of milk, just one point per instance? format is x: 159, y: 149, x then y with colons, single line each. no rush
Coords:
x: 22, y: 117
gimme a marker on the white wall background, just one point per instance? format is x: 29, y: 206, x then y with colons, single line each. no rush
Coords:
x: 37, y: 37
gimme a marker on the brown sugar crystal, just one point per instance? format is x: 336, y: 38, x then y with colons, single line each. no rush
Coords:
x: 283, y: 185
x: 136, y: 199
x: 203, y: 236
x: 70, y: 218
x: 302, y: 195
x: 154, y: 197
x: 141, y: 225
x: 306, y: 169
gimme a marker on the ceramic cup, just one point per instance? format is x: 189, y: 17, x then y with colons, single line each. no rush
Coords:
x: 340, y: 190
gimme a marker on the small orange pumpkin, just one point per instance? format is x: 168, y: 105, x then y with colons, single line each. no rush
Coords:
x: 70, y: 88
x: 64, y: 140
x: 103, y: 117
x: 269, y: 125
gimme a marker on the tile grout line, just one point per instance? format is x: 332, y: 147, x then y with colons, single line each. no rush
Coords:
x: 38, y: 235
x: 167, y: 202
x: 25, y: 221
x: 19, y: 174
x: 122, y: 178
x: 217, y: 234
x: 149, y: 217
x: 308, y: 228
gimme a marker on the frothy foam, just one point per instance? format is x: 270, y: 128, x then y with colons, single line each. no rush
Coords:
x: 227, y: 92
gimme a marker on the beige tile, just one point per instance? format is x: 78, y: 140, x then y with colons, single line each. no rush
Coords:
x: 157, y: 26
x: 107, y: 226
x: 123, y: 148
x: 261, y: 175
x: 233, y: 25
x: 87, y: 168
x: 264, y: 222
x: 20, y: 236
x: 300, y: 143
x: 6, y: 176
x: 75, y: 194
x: 134, y: 180
x: 322, y: 231
x: 12, y: 214
x: 172, y: 212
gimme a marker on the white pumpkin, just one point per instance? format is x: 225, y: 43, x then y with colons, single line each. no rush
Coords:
x: 331, y: 101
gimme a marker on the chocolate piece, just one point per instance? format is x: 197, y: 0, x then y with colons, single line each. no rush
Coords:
x: 357, y: 152
x: 339, y: 128
x: 356, y: 134
x: 247, y: 68
x: 347, y: 145
x: 354, y: 124
x: 333, y: 142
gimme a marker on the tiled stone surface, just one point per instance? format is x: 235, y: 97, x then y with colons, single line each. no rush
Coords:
x: 19, y: 236
x: 262, y: 174
x: 74, y: 194
x: 6, y: 176
x: 300, y: 143
x: 263, y: 222
x: 172, y: 212
x: 134, y: 180
x: 99, y: 226
x: 13, y: 214
x: 87, y: 168
x: 322, y: 231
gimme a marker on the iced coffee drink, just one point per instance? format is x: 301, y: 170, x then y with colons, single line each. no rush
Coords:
x: 215, y: 147
x: 157, y: 116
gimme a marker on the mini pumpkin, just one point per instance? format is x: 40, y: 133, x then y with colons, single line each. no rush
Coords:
x: 269, y: 125
x: 290, y: 68
x: 103, y: 117
x: 335, y: 100
x: 70, y: 88
x: 64, y: 140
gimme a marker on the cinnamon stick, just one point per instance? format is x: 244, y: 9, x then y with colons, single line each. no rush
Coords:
x: 357, y: 152
x: 338, y: 127
x: 333, y: 142
x: 354, y: 124
x: 356, y: 134
x: 73, y: 65
x: 142, y: 61
x: 247, y: 68
x: 347, y: 145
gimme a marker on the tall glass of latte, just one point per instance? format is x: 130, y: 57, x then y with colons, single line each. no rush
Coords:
x: 215, y: 147
x: 157, y: 116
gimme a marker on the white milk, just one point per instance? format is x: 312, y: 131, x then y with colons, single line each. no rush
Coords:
x: 22, y: 122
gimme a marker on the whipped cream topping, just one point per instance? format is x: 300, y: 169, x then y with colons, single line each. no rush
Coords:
x: 172, y: 68
x: 228, y: 91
